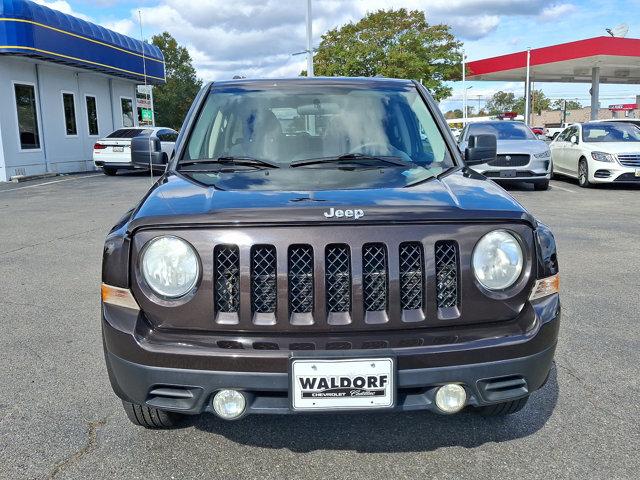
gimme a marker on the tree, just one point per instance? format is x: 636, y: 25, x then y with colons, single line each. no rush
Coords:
x: 173, y: 99
x: 457, y: 113
x: 501, y: 102
x: 571, y: 104
x: 392, y: 43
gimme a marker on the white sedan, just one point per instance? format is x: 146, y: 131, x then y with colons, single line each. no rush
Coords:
x: 113, y: 152
x: 603, y: 152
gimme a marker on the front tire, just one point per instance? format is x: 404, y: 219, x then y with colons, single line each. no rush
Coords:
x: 583, y: 174
x: 109, y: 171
x: 504, y: 408
x: 149, y: 417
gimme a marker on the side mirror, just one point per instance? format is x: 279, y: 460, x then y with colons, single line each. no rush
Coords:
x: 480, y: 149
x: 574, y: 139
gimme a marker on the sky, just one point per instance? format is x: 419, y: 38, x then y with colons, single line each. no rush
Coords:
x: 256, y: 38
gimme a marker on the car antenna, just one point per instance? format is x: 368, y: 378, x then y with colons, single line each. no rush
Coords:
x: 146, y: 91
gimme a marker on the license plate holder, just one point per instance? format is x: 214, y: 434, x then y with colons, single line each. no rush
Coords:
x: 508, y: 173
x: 321, y: 384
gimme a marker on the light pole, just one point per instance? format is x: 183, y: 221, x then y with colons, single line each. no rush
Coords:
x: 464, y: 88
x: 309, y: 40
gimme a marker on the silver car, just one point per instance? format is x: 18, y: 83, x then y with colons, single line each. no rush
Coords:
x: 522, y: 157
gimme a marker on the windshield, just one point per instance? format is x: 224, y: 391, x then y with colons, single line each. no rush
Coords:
x: 503, y: 130
x: 610, y: 132
x: 301, y: 127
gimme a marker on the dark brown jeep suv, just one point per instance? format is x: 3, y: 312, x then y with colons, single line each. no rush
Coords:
x: 319, y: 245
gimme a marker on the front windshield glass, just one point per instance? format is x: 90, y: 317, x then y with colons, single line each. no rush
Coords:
x: 503, y: 130
x: 610, y: 132
x: 301, y: 126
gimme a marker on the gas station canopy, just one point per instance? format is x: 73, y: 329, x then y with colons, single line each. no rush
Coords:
x: 618, y: 60
x: 594, y: 60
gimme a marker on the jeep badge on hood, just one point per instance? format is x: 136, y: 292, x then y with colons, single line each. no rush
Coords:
x: 349, y: 213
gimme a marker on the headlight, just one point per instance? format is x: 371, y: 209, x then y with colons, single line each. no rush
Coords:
x: 603, y: 157
x: 170, y: 266
x: 497, y: 260
x: 545, y: 154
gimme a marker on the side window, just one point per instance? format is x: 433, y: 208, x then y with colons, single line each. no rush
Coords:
x: 167, y: 135
x: 92, y: 115
x: 565, y: 135
x: 69, y: 109
x: 126, y: 105
x: 27, y: 114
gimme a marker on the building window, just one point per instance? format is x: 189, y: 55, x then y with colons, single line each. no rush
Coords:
x: 92, y: 115
x: 27, y: 116
x: 69, y: 106
x: 127, y: 112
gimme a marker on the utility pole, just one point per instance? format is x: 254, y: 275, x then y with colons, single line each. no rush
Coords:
x: 464, y: 89
x: 564, y: 112
x: 527, y: 89
x: 309, y: 41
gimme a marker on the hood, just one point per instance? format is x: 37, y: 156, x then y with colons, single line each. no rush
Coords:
x: 614, y: 147
x: 462, y: 195
x: 521, y: 146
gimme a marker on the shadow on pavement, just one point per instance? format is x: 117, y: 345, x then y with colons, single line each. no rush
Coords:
x: 391, y: 432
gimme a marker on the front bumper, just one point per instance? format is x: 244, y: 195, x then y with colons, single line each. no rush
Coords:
x: 183, y: 376
x: 536, y: 170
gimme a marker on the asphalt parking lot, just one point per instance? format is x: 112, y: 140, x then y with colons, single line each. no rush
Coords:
x: 59, y: 418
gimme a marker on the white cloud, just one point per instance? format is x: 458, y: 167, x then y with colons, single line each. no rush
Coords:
x: 62, y: 6
x: 257, y: 38
x: 124, y: 26
x: 556, y: 11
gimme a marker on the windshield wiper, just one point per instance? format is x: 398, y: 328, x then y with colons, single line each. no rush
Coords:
x: 354, y: 159
x: 231, y: 160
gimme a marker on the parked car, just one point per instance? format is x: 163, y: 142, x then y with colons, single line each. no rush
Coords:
x: 522, y: 157
x: 348, y: 264
x: 598, y: 152
x: 153, y: 149
x: 113, y: 152
x: 554, y: 129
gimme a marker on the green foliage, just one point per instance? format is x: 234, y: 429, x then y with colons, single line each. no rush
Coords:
x: 392, y: 43
x: 502, y: 102
x: 571, y: 104
x: 457, y: 113
x: 173, y: 99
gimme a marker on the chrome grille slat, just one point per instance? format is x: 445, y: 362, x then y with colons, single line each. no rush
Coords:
x: 446, y: 259
x: 338, y: 278
x: 374, y: 277
x: 629, y: 159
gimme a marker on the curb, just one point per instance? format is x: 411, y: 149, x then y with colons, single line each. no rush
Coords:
x: 24, y: 178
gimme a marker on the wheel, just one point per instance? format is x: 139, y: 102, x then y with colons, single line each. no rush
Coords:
x: 538, y: 186
x: 504, y: 408
x: 583, y: 174
x: 149, y: 417
x: 110, y: 171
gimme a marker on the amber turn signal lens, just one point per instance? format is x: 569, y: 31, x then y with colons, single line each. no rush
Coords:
x: 121, y: 297
x: 545, y: 287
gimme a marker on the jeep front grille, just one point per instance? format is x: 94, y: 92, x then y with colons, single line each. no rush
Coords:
x: 338, y: 278
x: 263, y: 279
x: 447, y: 291
x: 374, y: 277
x: 227, y: 278
x: 411, y: 276
x: 300, y: 279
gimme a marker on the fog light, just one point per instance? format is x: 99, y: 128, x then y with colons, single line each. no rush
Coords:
x: 451, y: 398
x: 229, y: 404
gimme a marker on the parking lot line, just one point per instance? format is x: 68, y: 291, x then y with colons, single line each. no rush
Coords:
x: 562, y: 188
x: 49, y: 183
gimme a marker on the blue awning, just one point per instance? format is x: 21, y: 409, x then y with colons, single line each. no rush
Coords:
x: 27, y: 28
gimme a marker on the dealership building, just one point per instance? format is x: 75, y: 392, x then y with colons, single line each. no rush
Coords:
x: 64, y: 83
